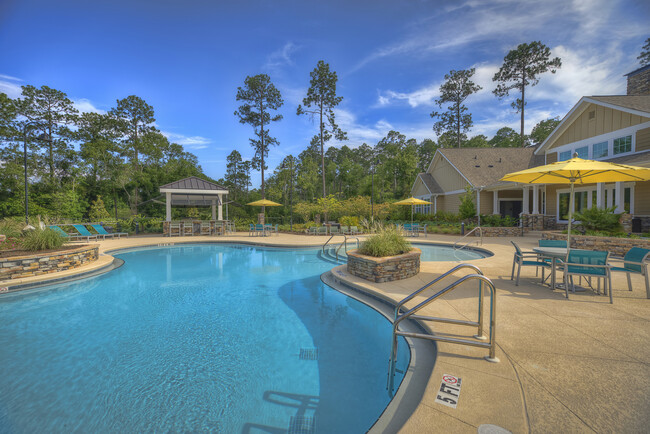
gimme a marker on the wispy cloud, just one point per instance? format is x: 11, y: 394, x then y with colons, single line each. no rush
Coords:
x: 84, y: 105
x: 9, y: 86
x: 422, y: 96
x: 189, y: 142
x: 281, y: 57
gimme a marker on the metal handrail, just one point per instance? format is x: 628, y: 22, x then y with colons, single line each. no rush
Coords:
x: 490, y: 344
x: 327, y: 242
x: 433, y: 282
x: 480, y: 230
x: 345, y: 242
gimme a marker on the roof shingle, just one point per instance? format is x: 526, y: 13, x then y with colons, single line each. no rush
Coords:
x: 193, y: 183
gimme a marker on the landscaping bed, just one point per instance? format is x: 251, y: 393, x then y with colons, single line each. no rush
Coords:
x: 615, y: 245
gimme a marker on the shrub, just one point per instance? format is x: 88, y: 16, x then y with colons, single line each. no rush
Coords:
x: 45, y: 239
x: 11, y: 228
x: 98, y: 211
x: 467, y: 209
x: 387, y: 242
x: 599, y: 219
x: 349, y: 221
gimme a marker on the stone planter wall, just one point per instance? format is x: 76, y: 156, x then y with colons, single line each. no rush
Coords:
x: 615, y: 246
x: 499, y: 232
x: 384, y: 269
x: 45, y: 263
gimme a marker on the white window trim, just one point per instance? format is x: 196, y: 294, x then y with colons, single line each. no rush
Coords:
x: 591, y: 190
x: 609, y: 138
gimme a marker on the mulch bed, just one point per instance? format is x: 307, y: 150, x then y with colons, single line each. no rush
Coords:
x: 12, y: 253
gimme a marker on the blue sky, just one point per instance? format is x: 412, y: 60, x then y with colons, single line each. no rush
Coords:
x: 187, y: 59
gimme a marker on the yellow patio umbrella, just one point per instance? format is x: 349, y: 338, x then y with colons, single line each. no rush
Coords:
x: 578, y: 171
x: 412, y: 201
x: 264, y: 203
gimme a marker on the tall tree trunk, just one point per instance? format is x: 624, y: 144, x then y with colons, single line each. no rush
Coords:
x: 458, y: 123
x: 134, y: 210
x: 262, y: 152
x: 523, y: 89
x: 322, y: 147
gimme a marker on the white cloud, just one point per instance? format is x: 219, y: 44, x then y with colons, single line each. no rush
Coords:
x: 422, y: 96
x: 189, y: 142
x: 84, y: 105
x: 281, y: 57
x: 9, y: 87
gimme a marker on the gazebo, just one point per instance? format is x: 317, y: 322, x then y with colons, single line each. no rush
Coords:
x: 194, y: 191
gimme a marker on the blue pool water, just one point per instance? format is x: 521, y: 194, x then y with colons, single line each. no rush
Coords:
x: 447, y: 253
x: 193, y: 338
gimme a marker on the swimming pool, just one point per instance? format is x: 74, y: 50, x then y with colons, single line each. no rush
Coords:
x: 205, y: 337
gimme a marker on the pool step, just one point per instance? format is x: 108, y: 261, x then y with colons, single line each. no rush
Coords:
x: 301, y: 425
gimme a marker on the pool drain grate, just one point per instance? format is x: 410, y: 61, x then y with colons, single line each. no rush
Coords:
x: 301, y: 425
x: 308, y: 354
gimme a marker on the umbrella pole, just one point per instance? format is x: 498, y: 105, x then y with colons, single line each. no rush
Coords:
x: 568, y: 237
x: 411, y: 215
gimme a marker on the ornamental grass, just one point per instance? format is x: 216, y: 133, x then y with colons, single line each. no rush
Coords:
x: 388, y: 241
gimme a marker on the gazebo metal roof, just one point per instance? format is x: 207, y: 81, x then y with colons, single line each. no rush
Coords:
x: 194, y: 191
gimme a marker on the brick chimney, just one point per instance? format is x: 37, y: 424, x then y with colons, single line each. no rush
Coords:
x: 638, y: 81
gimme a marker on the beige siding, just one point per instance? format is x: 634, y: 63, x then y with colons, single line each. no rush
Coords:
x: 642, y: 198
x: 511, y: 194
x: 419, y: 189
x: 551, y: 157
x: 642, y: 140
x: 551, y: 198
x: 486, y: 202
x: 450, y: 203
x: 447, y: 176
x: 605, y: 121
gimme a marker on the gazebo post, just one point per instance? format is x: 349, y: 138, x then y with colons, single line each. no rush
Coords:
x: 220, y: 207
x: 168, y: 206
x: 214, y: 209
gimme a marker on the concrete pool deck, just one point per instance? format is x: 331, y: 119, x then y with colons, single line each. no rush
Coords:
x: 575, y: 365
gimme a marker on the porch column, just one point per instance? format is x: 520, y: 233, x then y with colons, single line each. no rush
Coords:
x: 214, y: 209
x: 220, y: 207
x: 535, y: 199
x: 495, y: 202
x: 600, y: 195
x: 618, y: 192
x: 478, y: 202
x: 168, y: 206
x: 524, y: 205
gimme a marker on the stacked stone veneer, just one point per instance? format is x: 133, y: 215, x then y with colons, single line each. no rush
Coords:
x: 538, y: 222
x: 384, y: 269
x: 512, y: 231
x: 45, y: 263
x: 615, y: 246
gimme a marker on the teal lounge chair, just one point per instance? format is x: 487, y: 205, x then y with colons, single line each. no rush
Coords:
x: 85, y: 233
x: 589, y: 264
x: 61, y: 232
x: 634, y: 262
x: 103, y: 232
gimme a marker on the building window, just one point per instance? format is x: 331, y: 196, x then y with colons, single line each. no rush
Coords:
x: 583, y: 152
x: 599, y: 150
x: 623, y: 145
x: 564, y: 206
x: 627, y: 194
x: 564, y: 156
x: 580, y: 199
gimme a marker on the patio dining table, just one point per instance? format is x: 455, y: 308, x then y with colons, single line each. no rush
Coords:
x: 554, y: 253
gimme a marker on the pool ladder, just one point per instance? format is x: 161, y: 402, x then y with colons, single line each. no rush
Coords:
x: 480, y: 340
x: 480, y: 232
x: 344, y: 243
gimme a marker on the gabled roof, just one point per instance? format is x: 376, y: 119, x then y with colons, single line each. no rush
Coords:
x: 430, y: 183
x: 193, y: 183
x: 483, y: 167
x: 634, y: 104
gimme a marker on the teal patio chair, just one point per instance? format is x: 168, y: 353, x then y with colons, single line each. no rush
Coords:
x: 551, y: 243
x: 335, y: 230
x: 84, y: 233
x: 354, y: 230
x: 251, y: 229
x: 270, y: 229
x: 103, y: 232
x: 589, y: 264
x: 634, y: 262
x: 523, y: 259
x: 345, y: 230
x: 61, y: 232
x: 321, y: 230
x: 259, y: 229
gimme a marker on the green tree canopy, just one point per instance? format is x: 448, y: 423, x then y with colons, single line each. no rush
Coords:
x: 454, y: 91
x: 644, y: 57
x: 260, y: 96
x: 522, y: 67
x: 320, y: 101
x: 506, y: 137
x: 543, y: 129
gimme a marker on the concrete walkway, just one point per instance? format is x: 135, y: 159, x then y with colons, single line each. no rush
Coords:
x: 578, y: 365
